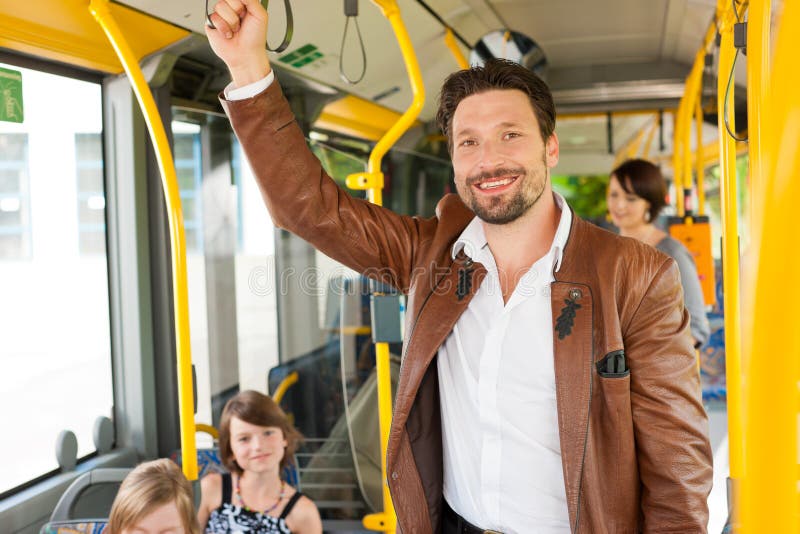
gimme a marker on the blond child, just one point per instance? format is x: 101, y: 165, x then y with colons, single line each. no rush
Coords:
x: 155, y: 498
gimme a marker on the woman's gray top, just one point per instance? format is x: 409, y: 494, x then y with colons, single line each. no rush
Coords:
x: 692, y: 292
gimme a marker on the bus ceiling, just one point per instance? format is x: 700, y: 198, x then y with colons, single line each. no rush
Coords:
x: 615, y: 55
x: 601, y: 56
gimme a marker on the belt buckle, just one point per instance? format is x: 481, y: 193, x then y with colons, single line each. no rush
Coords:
x: 491, y: 532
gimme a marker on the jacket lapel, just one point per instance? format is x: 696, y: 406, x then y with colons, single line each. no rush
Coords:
x: 435, y: 321
x: 573, y: 353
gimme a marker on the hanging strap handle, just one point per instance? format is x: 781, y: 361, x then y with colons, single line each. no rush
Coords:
x: 287, y: 37
x: 351, y: 11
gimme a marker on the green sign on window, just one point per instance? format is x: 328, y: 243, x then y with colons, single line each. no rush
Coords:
x: 10, y: 96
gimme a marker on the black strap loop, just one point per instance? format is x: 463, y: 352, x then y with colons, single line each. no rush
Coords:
x: 287, y: 37
x: 342, y: 74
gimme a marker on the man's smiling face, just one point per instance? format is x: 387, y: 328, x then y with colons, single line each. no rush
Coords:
x: 500, y: 161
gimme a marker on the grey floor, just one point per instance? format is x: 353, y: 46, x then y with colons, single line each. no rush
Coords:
x: 718, y: 500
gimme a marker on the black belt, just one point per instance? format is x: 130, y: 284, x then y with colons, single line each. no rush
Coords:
x: 452, y: 523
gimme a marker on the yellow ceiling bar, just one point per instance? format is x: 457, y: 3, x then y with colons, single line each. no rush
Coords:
x: 730, y: 251
x: 372, y: 181
x: 451, y: 43
x: 769, y: 493
x: 169, y: 181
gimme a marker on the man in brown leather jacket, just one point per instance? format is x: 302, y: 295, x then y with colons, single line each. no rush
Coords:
x: 548, y: 382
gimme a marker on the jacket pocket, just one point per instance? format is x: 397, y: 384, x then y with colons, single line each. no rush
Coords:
x: 613, y: 365
x: 613, y: 426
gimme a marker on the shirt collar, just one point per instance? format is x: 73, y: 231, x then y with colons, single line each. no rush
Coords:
x: 472, y: 239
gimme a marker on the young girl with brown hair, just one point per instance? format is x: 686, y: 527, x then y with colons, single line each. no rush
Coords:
x: 256, y: 442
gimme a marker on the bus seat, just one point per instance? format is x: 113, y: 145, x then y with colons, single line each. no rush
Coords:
x: 89, y: 494
x: 80, y: 526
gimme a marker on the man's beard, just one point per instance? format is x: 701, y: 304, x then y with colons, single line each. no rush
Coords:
x: 500, y: 210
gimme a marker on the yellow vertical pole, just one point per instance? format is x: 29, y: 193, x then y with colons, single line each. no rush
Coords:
x: 372, y: 181
x: 686, y: 130
x: 169, y: 182
x: 700, y: 169
x: 677, y: 156
x: 758, y: 88
x: 451, y: 43
x: 730, y: 259
x: 769, y: 492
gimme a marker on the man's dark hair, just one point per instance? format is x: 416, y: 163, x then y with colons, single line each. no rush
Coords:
x: 644, y: 179
x: 495, y: 74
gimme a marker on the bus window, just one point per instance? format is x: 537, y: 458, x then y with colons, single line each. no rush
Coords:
x: 55, y: 349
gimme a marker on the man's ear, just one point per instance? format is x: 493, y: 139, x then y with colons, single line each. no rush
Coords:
x: 551, y: 151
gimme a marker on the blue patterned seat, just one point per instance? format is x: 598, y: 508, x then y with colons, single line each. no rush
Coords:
x: 78, y: 526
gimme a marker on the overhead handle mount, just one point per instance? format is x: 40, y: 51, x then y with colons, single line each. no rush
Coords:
x: 287, y: 37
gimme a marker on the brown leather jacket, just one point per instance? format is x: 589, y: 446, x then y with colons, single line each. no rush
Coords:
x: 634, y: 447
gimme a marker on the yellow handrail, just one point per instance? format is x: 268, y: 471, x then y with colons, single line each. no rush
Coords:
x: 451, y: 43
x: 651, y: 135
x: 769, y: 492
x: 681, y: 155
x: 283, y: 387
x: 730, y: 255
x: 677, y: 155
x: 372, y: 181
x: 169, y: 182
x: 700, y: 169
x: 758, y: 89
x: 208, y: 429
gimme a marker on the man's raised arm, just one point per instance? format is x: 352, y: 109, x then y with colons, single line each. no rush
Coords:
x: 299, y: 194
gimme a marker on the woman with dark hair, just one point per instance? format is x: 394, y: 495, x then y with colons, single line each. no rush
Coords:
x: 636, y: 195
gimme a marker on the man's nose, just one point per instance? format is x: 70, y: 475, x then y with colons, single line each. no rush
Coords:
x: 490, y: 155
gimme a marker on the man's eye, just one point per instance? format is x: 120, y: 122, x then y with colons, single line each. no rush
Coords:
x: 511, y: 135
x: 467, y: 142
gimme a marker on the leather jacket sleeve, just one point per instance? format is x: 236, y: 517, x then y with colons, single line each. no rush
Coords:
x: 668, y: 416
x: 303, y: 199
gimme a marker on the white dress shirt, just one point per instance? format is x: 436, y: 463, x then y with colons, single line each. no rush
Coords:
x: 502, y: 455
x: 232, y: 92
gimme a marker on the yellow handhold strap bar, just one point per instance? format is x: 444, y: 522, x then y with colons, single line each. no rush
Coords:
x: 681, y: 158
x: 451, y: 43
x: 700, y: 169
x: 169, y: 181
x: 372, y: 181
x: 730, y: 254
x: 769, y: 494
x: 758, y: 93
x: 290, y: 380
